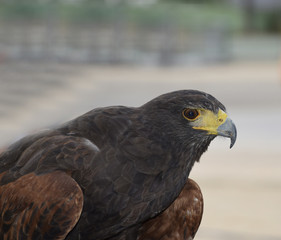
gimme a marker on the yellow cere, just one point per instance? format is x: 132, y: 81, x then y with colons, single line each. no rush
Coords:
x: 209, y: 121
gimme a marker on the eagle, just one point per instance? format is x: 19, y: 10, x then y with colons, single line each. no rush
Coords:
x: 113, y: 173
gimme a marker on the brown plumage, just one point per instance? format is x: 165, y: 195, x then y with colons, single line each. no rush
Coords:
x: 40, y: 206
x: 180, y: 220
x: 112, y: 173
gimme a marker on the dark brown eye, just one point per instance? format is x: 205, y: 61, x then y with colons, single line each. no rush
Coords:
x: 190, y: 114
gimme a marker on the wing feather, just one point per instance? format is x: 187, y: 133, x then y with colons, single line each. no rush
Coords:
x: 39, y: 206
x: 180, y: 220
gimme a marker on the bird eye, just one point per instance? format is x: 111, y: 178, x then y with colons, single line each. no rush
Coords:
x: 190, y: 114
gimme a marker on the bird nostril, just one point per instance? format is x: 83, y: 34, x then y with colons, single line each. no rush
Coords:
x: 220, y: 120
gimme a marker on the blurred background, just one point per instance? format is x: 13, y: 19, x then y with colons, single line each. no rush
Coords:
x: 61, y: 58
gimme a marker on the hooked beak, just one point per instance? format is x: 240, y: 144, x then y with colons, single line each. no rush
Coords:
x: 218, y: 124
x: 228, y: 129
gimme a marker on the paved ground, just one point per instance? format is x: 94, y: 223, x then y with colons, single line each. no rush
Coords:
x: 241, y: 186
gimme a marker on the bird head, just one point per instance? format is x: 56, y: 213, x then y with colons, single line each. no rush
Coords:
x: 192, y: 117
x: 212, y: 123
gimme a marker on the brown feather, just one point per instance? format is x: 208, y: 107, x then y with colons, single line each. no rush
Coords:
x: 180, y: 220
x: 39, y: 207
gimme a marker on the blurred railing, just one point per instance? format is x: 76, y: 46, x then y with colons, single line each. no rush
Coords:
x: 128, y: 34
x: 148, y: 35
x: 95, y: 43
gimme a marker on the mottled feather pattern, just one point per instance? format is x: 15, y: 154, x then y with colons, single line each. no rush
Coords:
x: 113, y: 173
x: 180, y: 220
x: 39, y: 207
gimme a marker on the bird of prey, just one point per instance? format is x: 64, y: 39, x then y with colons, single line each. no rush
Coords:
x: 113, y: 173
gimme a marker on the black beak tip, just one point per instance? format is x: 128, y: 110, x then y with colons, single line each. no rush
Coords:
x: 233, y: 136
